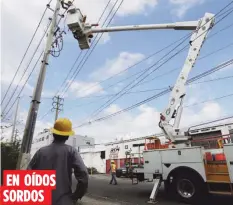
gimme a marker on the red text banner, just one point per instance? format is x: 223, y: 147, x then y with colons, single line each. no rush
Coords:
x: 27, y: 187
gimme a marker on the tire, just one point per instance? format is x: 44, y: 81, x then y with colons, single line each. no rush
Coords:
x: 188, y: 187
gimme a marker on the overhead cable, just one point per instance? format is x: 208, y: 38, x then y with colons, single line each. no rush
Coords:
x: 106, y: 104
x: 229, y: 11
x: 219, y: 67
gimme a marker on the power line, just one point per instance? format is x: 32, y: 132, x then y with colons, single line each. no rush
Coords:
x: 169, y: 72
x: 219, y: 67
x: 217, y: 98
x: 151, y: 55
x: 215, y: 79
x: 128, y: 68
x: 154, y: 54
x: 217, y: 120
x: 101, y: 97
x: 141, y: 91
x: 223, y: 8
x: 33, y: 36
x: 106, y: 104
x: 156, y: 89
x: 201, y: 58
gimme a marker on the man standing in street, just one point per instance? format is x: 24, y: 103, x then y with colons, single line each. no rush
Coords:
x: 63, y: 158
x: 113, y: 172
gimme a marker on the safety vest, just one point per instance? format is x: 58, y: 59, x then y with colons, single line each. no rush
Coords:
x: 113, y: 168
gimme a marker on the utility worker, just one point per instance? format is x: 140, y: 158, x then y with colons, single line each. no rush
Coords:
x: 113, y: 172
x: 62, y: 158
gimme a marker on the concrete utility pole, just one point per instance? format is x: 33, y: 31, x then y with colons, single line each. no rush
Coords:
x: 24, y: 155
x: 15, y: 119
x: 57, y: 105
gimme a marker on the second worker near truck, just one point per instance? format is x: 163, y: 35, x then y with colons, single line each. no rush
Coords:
x: 113, y: 172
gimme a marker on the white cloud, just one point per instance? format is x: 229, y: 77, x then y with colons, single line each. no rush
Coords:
x: 116, y: 65
x: 136, y: 6
x: 82, y: 89
x: 47, y: 94
x: 182, y: 6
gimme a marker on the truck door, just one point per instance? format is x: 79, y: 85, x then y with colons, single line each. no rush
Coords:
x: 228, y: 150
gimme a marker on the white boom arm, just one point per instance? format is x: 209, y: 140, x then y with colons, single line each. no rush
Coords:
x: 174, y: 108
x: 83, y: 31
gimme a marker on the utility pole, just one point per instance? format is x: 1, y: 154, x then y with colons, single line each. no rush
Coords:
x: 15, y: 119
x: 57, y: 105
x: 24, y: 156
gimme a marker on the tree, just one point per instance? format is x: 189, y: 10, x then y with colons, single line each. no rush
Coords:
x: 9, y: 156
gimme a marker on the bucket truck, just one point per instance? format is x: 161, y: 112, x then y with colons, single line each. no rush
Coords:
x: 187, y: 172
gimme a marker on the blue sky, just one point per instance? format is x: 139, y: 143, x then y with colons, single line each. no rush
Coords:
x: 120, y: 50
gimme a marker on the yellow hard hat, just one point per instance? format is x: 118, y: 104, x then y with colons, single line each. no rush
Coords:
x: 63, y: 126
x: 112, y: 161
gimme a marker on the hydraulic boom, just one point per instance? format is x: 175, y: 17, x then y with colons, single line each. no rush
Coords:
x: 174, y: 108
x: 83, y: 32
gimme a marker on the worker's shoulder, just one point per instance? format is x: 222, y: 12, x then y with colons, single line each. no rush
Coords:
x: 44, y: 148
x: 54, y: 146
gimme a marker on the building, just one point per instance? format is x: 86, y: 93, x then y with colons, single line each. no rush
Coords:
x: 99, y: 157
x: 45, y: 138
x: 95, y: 158
x: 117, y: 150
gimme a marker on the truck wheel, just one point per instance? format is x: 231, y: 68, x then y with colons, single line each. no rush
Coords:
x: 189, y: 187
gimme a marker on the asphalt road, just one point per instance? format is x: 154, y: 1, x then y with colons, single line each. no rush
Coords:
x: 101, y: 193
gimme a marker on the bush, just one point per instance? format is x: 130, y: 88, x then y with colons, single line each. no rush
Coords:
x: 94, y: 170
x: 9, y: 156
